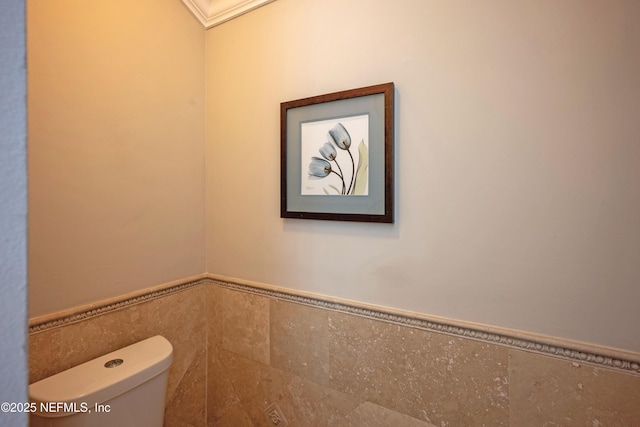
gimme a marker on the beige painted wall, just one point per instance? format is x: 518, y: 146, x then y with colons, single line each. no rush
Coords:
x: 116, y: 148
x: 518, y: 191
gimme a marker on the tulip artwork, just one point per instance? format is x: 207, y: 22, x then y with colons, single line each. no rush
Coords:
x: 336, y: 165
x: 336, y: 156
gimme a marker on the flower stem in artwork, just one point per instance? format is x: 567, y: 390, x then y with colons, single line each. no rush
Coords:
x: 353, y: 172
x: 319, y: 168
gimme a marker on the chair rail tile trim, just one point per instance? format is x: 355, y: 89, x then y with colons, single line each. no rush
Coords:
x: 100, y: 309
x: 601, y: 357
x: 627, y: 363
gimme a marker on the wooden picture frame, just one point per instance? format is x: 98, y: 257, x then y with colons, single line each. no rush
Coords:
x: 336, y: 156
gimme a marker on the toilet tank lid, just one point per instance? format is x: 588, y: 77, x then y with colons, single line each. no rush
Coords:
x: 93, y: 382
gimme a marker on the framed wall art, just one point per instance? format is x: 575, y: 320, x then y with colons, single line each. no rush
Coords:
x: 336, y: 156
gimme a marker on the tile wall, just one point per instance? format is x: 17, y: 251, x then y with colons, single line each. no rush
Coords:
x: 246, y: 356
x: 178, y: 316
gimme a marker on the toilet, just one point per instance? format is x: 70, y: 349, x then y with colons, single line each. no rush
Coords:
x: 125, y: 388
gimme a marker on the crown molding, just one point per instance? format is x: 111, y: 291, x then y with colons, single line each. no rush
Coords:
x: 214, y: 12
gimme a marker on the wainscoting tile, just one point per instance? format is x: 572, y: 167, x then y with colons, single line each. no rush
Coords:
x: 47, y: 349
x: 245, y: 324
x: 235, y: 417
x: 179, y: 317
x: 182, y: 319
x: 59, y: 349
x: 241, y: 389
x: 371, y: 415
x: 300, y: 340
x: 433, y: 377
x: 214, y: 315
x: 186, y: 406
x: 239, y: 348
x: 550, y: 391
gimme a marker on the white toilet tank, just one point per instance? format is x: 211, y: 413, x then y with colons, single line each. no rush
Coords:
x: 125, y: 388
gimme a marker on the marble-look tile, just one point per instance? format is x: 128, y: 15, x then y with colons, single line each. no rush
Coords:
x: 371, y: 415
x: 550, y: 391
x: 175, y: 423
x: 235, y: 417
x: 45, y: 351
x: 245, y: 324
x: 313, y: 404
x: 179, y: 317
x: 58, y: 349
x: 443, y: 380
x: 236, y: 353
x: 300, y: 340
x: 240, y: 390
x: 223, y: 402
x: 186, y: 407
x: 214, y: 315
x: 224, y: 407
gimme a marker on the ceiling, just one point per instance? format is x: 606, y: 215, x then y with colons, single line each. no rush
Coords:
x: 214, y: 12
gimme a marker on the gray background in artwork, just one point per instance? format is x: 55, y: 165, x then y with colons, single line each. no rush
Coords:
x: 371, y: 204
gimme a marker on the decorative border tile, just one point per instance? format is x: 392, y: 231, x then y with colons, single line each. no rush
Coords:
x: 575, y: 352
x: 82, y: 313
